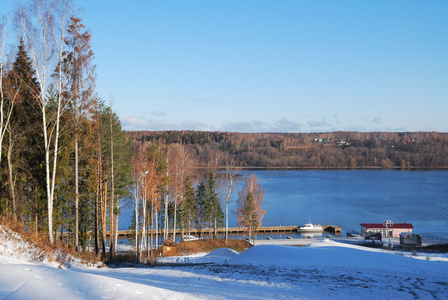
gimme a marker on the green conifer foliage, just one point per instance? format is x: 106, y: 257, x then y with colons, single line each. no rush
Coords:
x: 26, y: 184
x: 213, y: 214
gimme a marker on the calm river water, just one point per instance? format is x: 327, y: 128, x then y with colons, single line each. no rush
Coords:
x: 351, y: 197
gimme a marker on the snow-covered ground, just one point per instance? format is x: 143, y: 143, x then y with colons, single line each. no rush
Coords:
x: 325, y: 270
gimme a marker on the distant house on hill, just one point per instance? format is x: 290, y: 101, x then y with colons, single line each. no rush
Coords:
x: 394, y: 229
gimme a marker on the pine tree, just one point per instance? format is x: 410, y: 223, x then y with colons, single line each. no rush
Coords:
x: 24, y: 156
x: 187, y: 210
x: 199, y: 207
x: 114, y: 142
x: 249, y: 211
x: 79, y: 70
x: 214, y: 215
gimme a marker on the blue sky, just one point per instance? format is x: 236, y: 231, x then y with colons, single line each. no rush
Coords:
x: 271, y: 66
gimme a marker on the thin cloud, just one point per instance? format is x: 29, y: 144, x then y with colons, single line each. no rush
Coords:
x: 247, y: 126
x: 377, y: 120
x: 158, y: 113
x: 280, y: 125
x: 135, y: 123
x: 318, y: 124
x: 355, y: 128
x: 285, y: 125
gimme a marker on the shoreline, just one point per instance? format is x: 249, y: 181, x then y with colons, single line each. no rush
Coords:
x: 396, y: 168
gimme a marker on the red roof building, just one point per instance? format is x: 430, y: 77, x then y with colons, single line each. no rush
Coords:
x: 394, y: 229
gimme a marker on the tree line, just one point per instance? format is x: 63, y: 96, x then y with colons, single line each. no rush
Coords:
x: 64, y: 157
x: 67, y: 166
x: 174, y: 193
x: 331, y: 150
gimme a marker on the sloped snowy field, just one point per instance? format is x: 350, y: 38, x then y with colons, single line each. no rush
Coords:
x: 326, y: 270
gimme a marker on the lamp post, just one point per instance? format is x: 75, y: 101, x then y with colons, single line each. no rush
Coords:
x: 137, y: 196
x: 388, y: 223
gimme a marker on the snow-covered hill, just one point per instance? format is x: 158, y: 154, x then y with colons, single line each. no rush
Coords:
x: 326, y: 270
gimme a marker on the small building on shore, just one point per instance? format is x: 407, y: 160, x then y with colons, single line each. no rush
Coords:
x: 410, y: 239
x: 394, y: 229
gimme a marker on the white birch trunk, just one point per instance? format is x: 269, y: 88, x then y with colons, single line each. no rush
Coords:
x: 165, y: 227
x: 136, y: 220
x: 143, y: 239
x: 4, y: 124
x: 157, y: 231
x: 50, y: 41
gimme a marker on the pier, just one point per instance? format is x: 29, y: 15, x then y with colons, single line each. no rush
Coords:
x: 334, y: 229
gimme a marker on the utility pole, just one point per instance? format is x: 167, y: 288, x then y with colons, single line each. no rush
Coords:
x: 388, y: 223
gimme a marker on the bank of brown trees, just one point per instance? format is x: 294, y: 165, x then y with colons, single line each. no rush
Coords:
x: 312, y: 150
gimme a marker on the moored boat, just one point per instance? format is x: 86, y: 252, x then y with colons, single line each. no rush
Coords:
x: 309, y: 227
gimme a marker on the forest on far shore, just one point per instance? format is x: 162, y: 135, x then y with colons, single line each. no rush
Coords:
x: 330, y: 150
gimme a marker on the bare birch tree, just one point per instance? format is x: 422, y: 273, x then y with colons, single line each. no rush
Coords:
x: 181, y: 165
x: 226, y: 187
x: 43, y: 26
x: 5, y: 108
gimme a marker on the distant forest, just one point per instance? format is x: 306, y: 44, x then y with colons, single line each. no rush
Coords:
x: 331, y: 150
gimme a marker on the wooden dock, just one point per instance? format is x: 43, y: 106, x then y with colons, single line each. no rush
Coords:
x: 232, y: 230
x: 335, y: 229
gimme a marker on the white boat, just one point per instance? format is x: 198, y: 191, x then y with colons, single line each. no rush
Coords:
x: 308, y: 227
x: 189, y: 238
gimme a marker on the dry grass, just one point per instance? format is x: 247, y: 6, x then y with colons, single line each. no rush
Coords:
x: 58, y: 251
x: 208, y: 245
x: 438, y: 248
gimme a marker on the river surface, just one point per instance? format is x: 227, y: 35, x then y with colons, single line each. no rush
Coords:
x: 351, y: 197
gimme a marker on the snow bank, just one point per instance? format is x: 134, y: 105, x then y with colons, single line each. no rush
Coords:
x: 326, y: 270
x: 19, y: 280
x: 12, y: 245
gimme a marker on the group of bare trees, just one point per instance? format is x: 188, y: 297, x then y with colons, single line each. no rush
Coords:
x: 164, y: 193
x: 175, y: 193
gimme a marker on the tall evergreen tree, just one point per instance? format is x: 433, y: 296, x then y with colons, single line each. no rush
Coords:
x: 213, y: 214
x: 114, y: 142
x: 24, y: 156
x: 199, y: 207
x: 187, y: 210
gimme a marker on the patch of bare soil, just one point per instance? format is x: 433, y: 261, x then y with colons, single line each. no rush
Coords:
x: 208, y: 245
x: 439, y: 248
